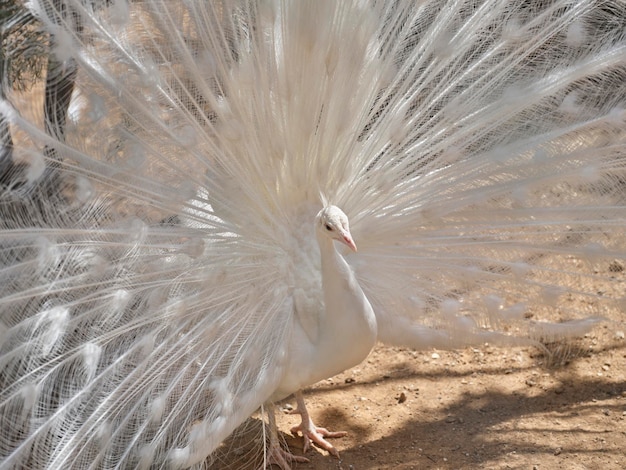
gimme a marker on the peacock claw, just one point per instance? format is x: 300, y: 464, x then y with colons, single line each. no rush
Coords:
x: 276, y: 455
x: 312, y: 433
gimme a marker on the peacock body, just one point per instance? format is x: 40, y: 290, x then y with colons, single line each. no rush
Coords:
x: 160, y: 273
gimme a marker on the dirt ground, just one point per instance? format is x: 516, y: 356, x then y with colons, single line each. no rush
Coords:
x: 477, y: 408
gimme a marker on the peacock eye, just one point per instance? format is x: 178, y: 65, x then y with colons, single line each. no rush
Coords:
x: 328, y: 227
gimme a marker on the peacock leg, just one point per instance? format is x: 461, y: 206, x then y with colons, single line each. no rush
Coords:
x: 310, y: 432
x: 276, y: 455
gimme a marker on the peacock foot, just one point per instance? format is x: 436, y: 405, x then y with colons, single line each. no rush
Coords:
x: 311, y: 433
x: 276, y: 455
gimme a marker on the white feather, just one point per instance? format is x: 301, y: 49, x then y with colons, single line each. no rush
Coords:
x: 152, y: 272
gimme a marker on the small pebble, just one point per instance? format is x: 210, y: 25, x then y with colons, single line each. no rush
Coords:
x: 402, y: 397
x: 435, y: 356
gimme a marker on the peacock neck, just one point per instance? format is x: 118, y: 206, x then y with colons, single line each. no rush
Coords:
x: 347, y: 311
x: 334, y: 266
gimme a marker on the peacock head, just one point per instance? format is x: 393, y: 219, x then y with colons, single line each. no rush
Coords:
x: 333, y: 223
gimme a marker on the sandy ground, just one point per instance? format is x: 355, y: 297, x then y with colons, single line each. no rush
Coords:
x: 478, y: 408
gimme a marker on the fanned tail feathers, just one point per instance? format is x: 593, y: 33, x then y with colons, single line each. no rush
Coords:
x: 146, y: 255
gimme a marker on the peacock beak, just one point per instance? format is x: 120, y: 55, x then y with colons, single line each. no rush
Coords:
x: 347, y: 239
